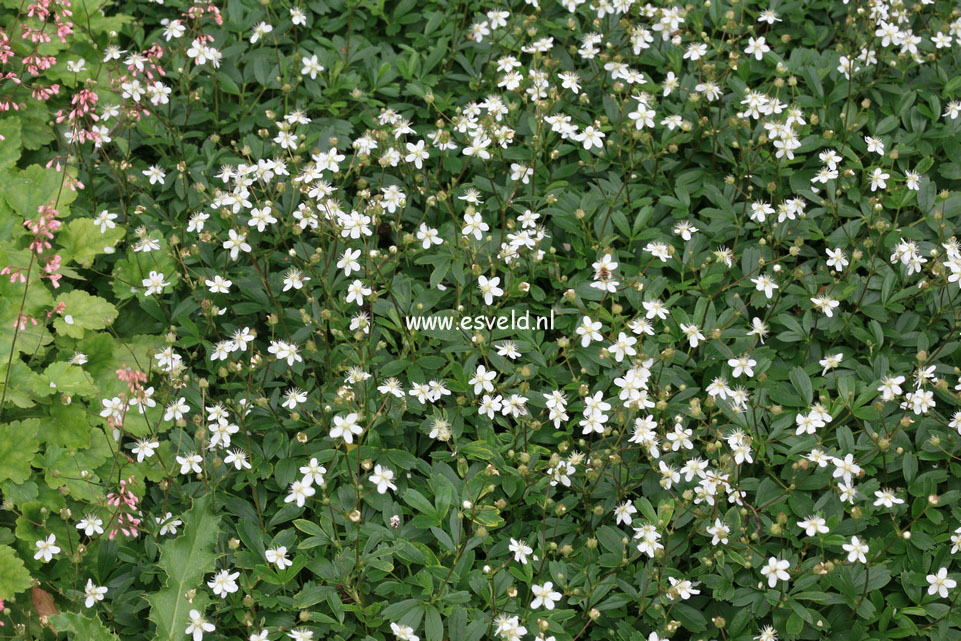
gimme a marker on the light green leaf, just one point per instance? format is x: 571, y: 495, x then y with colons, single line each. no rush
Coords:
x: 82, y: 241
x: 69, y: 379
x: 35, y: 186
x: 10, y: 149
x: 83, y: 311
x: 18, y: 444
x: 14, y: 577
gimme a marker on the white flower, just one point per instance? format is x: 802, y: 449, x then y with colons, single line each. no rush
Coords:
x: 544, y: 595
x: 237, y: 458
x: 90, y: 525
x: 693, y: 334
x: 765, y: 284
x: 742, y: 365
x: 623, y: 513
x: 521, y: 550
x: 105, y: 220
x: 176, y: 410
x: 283, y: 350
x: 311, y: 67
x: 297, y: 17
x: 846, y: 468
x: 299, y: 493
x: 879, y: 179
x: 403, y: 632
x: 719, y: 531
x: 236, y: 243
x: 428, y: 236
x: 814, y: 525
x: 154, y: 283
x: 198, y: 625
x: 940, y: 583
x: 474, y: 225
x: 144, y: 449
x: 776, y: 570
x: 825, y: 304
x: 589, y: 331
x: 346, y: 427
x: 590, y: 137
x: 168, y: 524
x: 887, y: 498
x: 224, y: 583
x: 260, y: 30
x: 836, y: 259
x: 856, y: 550
x: 190, y: 462
x: 623, y: 347
x: 155, y: 174
x: 658, y: 250
x: 383, y: 478
x: 830, y: 362
x: 278, y: 556
x: 874, y: 145
x: 482, y: 380
x: 356, y: 292
x: 890, y: 387
x: 920, y: 400
x: 489, y: 287
x: 756, y: 47
x: 93, y: 593
x: 682, y: 587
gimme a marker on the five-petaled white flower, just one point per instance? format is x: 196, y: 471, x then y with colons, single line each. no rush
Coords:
x: 346, y: 427
x: 46, y: 548
x: 198, y: 625
x: 544, y: 595
x: 775, y: 570
x: 940, y: 583
x: 224, y: 583
x: 278, y: 556
x: 383, y: 478
x: 93, y: 593
x: 856, y: 550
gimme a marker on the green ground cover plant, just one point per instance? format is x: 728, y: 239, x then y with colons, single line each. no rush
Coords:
x: 261, y: 266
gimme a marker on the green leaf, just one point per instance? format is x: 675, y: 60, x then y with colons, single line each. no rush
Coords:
x: 67, y: 426
x: 433, y: 626
x: 802, y: 384
x: 184, y: 560
x: 84, y: 628
x: 82, y: 241
x: 18, y: 444
x: 10, y: 149
x: 69, y: 379
x: 35, y: 186
x: 909, y: 464
x: 14, y: 578
x: 83, y: 311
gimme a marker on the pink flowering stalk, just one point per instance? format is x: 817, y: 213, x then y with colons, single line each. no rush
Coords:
x: 128, y: 517
x: 133, y: 378
x: 39, y: 24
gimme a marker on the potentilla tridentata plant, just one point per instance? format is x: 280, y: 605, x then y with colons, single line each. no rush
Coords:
x: 742, y: 423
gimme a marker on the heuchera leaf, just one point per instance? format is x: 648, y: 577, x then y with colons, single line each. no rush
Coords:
x: 14, y: 577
